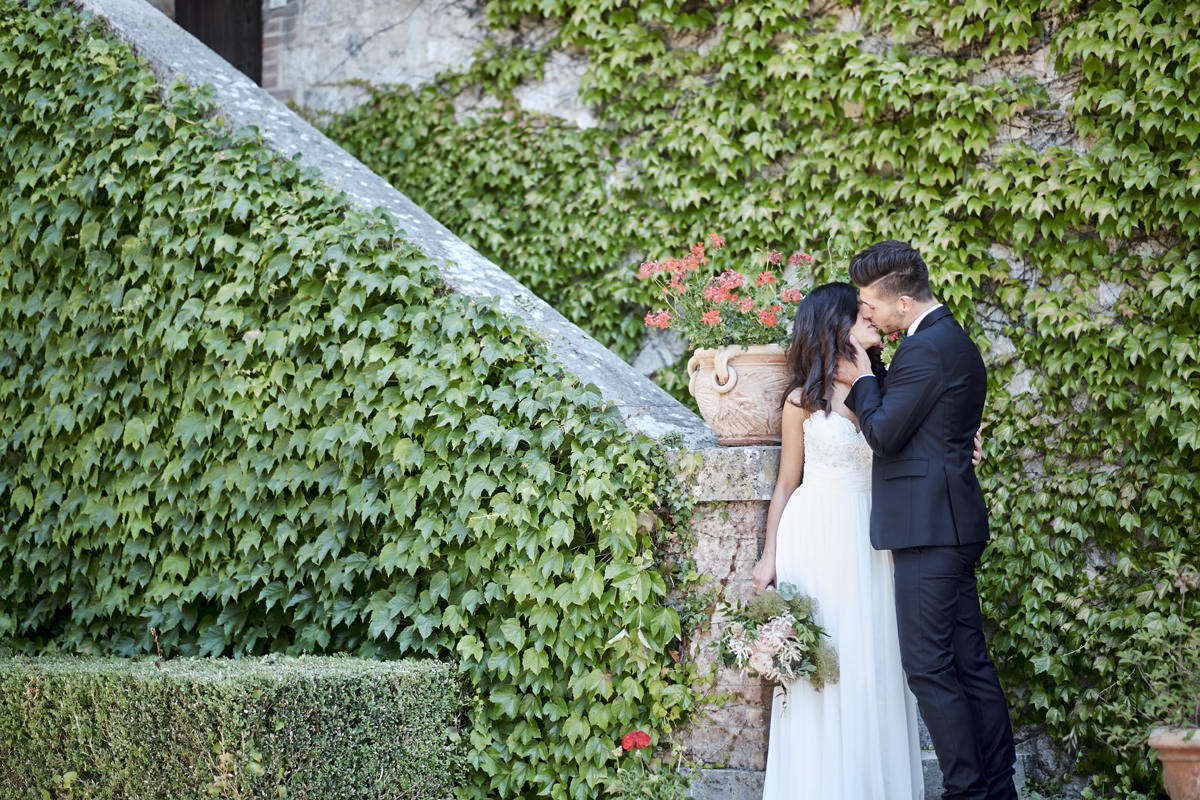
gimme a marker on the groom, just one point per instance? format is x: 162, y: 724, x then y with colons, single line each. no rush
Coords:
x: 927, y: 508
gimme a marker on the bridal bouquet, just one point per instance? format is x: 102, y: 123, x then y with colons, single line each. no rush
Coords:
x: 774, y: 636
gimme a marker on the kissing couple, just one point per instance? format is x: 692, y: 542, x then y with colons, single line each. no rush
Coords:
x: 877, y: 514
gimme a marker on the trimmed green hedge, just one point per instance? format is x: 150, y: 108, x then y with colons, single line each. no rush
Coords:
x: 317, y: 728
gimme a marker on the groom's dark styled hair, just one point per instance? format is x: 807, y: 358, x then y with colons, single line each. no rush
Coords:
x: 896, y: 266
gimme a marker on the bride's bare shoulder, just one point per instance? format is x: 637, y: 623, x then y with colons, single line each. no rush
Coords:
x: 795, y: 401
x: 794, y: 412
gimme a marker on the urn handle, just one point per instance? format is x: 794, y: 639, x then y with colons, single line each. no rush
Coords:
x: 724, y: 375
x: 693, y: 368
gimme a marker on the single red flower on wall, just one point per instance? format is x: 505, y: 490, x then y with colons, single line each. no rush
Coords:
x: 765, y: 279
x: 635, y: 740
x: 716, y: 239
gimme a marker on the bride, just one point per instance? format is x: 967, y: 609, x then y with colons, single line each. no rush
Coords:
x: 855, y: 739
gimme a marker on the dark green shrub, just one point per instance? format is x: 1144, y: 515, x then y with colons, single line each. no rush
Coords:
x: 319, y: 728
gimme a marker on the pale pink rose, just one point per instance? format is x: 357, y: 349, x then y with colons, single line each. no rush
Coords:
x: 767, y: 642
x: 761, y: 662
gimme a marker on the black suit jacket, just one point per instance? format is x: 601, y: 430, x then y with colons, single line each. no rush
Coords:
x: 921, y: 425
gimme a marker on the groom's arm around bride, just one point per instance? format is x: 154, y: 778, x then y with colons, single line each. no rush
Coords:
x: 928, y: 509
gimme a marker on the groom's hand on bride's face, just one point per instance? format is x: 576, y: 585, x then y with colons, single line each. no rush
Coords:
x: 850, y: 371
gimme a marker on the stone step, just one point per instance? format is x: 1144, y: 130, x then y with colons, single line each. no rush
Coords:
x: 746, y: 784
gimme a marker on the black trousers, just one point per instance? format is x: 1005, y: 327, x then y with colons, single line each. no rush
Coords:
x: 944, y: 654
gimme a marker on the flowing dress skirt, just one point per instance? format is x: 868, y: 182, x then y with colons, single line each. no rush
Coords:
x: 855, y: 739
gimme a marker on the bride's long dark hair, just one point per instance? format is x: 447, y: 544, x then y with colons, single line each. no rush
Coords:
x: 820, y: 333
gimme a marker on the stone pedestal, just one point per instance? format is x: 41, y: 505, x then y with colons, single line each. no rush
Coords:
x: 733, y: 489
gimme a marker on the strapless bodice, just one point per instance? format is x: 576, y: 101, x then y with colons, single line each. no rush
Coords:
x: 835, y: 451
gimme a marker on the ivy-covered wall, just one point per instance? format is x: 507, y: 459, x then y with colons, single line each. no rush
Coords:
x: 1043, y: 157
x: 238, y: 416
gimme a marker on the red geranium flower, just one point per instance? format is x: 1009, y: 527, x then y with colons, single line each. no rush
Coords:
x: 716, y: 293
x: 635, y: 740
x: 711, y: 317
x: 731, y: 279
x: 658, y: 319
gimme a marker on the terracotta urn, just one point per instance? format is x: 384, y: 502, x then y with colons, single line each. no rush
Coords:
x: 739, y: 390
x: 1179, y: 752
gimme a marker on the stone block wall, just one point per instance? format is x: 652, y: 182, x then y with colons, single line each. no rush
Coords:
x: 734, y: 732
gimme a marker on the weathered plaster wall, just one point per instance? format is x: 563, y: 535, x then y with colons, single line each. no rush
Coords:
x: 311, y: 48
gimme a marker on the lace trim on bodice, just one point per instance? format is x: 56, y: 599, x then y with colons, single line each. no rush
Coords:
x: 832, y: 443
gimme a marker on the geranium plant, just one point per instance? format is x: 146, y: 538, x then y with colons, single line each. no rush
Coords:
x: 712, y: 306
x: 638, y: 780
x: 774, y: 636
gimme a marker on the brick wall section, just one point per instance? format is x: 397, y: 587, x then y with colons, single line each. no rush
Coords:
x: 279, y: 23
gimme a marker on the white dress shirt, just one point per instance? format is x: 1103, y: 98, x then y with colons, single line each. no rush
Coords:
x: 916, y: 322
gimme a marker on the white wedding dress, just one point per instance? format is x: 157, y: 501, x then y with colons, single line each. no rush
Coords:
x: 855, y: 739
